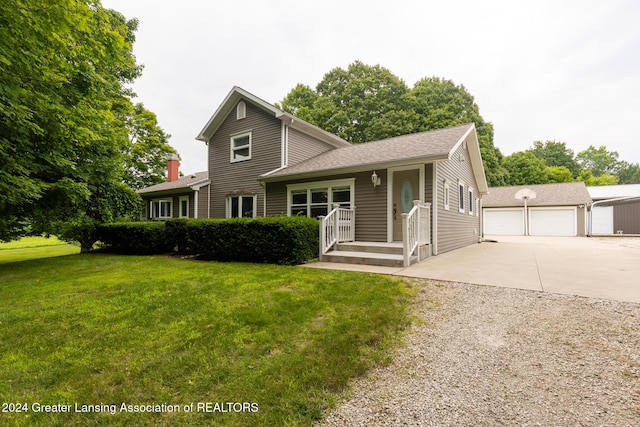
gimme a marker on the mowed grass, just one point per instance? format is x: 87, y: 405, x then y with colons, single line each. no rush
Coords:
x: 278, y: 343
x: 34, y: 248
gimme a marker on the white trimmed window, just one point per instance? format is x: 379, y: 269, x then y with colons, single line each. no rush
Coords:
x: 184, y: 207
x: 241, y: 110
x: 161, y: 209
x: 461, y: 196
x: 241, y: 147
x: 241, y: 206
x: 446, y: 190
x: 314, y: 199
x: 471, y: 201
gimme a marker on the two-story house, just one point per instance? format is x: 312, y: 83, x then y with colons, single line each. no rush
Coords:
x: 264, y: 161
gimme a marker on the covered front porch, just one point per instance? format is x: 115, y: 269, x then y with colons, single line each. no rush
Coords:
x: 338, y: 244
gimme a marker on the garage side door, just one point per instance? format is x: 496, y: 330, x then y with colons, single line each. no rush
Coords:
x: 602, y: 220
x: 552, y: 222
x: 503, y: 221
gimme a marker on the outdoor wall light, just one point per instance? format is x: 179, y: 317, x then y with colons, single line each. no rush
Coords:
x: 375, y: 180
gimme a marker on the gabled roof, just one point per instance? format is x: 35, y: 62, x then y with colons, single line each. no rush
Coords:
x: 425, y: 146
x: 561, y: 194
x: 238, y: 94
x: 187, y: 182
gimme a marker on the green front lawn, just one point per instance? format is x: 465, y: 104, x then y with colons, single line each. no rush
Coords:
x: 245, y: 344
x: 34, y: 248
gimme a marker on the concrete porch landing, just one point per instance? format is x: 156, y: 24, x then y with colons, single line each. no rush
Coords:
x: 368, y: 253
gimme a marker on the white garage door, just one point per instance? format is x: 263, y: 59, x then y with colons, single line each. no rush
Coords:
x: 602, y: 220
x: 552, y: 222
x: 504, y: 221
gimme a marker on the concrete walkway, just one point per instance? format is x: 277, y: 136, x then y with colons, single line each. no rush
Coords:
x: 607, y: 268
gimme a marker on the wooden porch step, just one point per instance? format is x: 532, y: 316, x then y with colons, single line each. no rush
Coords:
x: 366, y: 258
x: 393, y: 248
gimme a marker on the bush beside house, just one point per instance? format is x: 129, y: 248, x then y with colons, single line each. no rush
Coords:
x: 275, y: 240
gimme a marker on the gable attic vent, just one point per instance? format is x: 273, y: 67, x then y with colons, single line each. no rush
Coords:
x: 241, y: 110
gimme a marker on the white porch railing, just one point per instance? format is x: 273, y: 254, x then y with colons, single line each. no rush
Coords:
x: 338, y: 226
x: 416, y: 230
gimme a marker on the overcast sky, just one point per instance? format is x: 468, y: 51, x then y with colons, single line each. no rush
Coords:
x: 566, y: 70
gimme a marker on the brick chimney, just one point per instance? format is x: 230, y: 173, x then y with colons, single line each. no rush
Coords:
x: 173, y: 162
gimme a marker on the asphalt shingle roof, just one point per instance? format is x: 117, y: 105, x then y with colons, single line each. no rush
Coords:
x: 432, y: 144
x: 180, y: 183
x: 562, y: 194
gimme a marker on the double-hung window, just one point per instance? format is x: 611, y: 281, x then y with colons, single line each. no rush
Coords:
x: 471, y: 201
x: 241, y: 206
x: 461, y: 196
x: 241, y: 147
x: 161, y: 209
x: 184, y: 207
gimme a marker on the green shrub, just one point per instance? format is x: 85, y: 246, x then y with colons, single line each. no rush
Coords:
x: 176, y: 232
x: 136, y: 238
x: 275, y: 240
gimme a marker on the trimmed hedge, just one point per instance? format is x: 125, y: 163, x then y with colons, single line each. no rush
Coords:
x: 136, y: 238
x: 275, y: 240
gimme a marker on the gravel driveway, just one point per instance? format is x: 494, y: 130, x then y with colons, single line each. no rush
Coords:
x: 485, y: 356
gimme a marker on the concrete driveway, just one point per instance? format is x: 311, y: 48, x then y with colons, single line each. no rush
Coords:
x: 607, y: 268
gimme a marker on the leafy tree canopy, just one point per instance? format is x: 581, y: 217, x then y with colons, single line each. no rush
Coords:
x: 525, y: 168
x: 146, y: 155
x: 367, y: 103
x: 64, y: 109
x: 556, y: 153
x: 598, y: 160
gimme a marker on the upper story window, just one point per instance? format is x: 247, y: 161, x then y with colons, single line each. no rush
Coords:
x: 241, y: 110
x: 461, y: 196
x: 241, y: 147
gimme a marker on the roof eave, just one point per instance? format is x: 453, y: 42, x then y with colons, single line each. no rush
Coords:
x: 476, y: 158
x: 351, y: 169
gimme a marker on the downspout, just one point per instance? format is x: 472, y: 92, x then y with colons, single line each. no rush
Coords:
x: 436, y: 186
x: 195, y: 203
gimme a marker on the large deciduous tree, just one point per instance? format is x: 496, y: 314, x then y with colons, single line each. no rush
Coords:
x: 599, y: 160
x: 65, y: 66
x: 525, y: 168
x: 145, y: 163
x: 556, y: 153
x: 366, y: 103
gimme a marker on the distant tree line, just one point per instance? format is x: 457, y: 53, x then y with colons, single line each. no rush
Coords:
x: 366, y: 103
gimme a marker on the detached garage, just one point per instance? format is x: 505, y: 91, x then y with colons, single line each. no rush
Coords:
x: 536, y: 210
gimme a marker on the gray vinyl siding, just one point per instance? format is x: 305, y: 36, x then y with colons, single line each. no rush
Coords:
x: 203, y: 202
x: 627, y: 218
x: 370, y: 203
x: 456, y: 229
x: 242, y: 177
x: 302, y: 147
